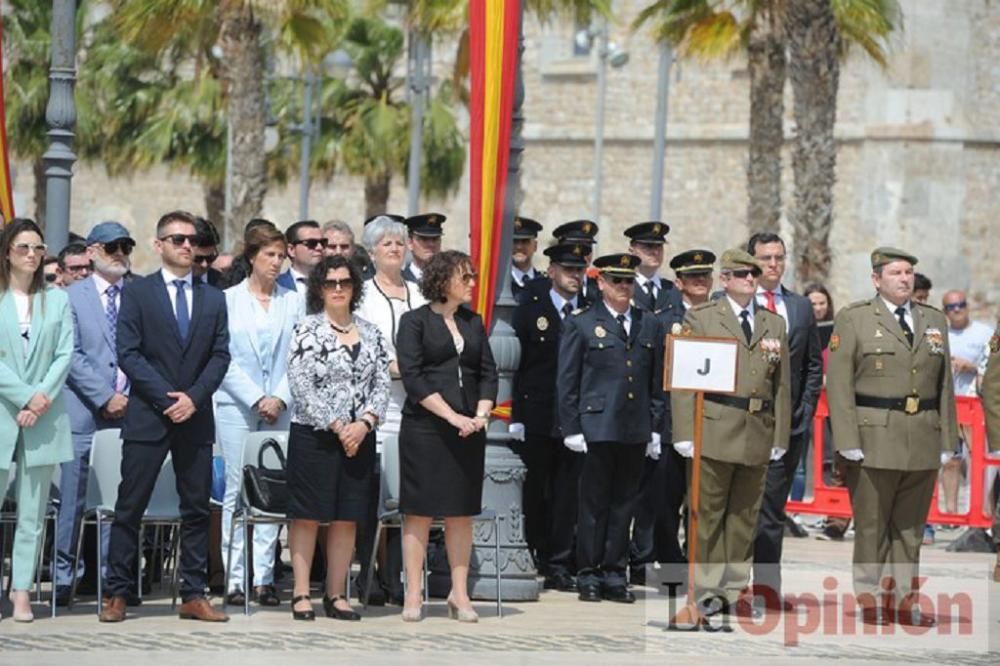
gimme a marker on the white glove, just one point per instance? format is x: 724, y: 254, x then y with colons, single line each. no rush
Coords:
x: 685, y: 448
x: 575, y: 443
x: 777, y: 454
x: 947, y: 456
x: 516, y: 431
x: 855, y: 455
x: 653, y: 448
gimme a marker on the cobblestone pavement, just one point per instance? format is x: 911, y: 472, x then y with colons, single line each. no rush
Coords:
x: 558, y: 629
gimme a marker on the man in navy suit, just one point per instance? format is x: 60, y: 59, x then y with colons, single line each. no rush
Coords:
x: 306, y: 245
x: 173, y: 346
x: 97, y: 392
x: 806, y: 363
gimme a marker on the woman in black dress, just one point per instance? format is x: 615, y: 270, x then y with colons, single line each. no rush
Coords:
x: 451, y: 382
x: 338, y: 373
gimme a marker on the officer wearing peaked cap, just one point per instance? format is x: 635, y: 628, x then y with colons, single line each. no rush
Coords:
x: 652, y: 291
x: 550, y: 488
x: 892, y: 408
x: 610, y: 407
x: 742, y: 432
x: 424, y: 241
x: 583, y: 232
x: 525, y: 244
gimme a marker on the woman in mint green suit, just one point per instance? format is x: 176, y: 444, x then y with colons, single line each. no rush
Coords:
x: 36, y: 345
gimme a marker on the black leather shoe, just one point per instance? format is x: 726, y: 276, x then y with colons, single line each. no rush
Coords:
x: 308, y: 615
x: 793, y: 529
x: 562, y: 582
x: 236, y: 598
x: 589, y: 592
x: 335, y: 613
x: 619, y: 594
x: 266, y: 595
x: 637, y: 575
x: 63, y: 597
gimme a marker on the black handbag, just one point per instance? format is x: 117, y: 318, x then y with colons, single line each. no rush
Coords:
x: 267, y: 489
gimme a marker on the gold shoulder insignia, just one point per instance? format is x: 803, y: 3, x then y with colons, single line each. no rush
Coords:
x: 927, y: 306
x: 858, y: 304
x: 995, y: 342
x: 834, y: 342
x: 702, y: 306
x: 580, y: 310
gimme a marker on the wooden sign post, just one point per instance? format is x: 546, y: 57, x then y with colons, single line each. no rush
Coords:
x: 701, y: 365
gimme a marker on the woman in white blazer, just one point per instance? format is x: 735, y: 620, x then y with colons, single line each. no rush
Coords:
x: 254, y: 395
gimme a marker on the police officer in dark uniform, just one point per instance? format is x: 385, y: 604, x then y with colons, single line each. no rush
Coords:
x: 652, y: 291
x: 583, y: 232
x: 610, y: 405
x: 423, y: 242
x: 658, y: 509
x: 522, y: 271
x: 550, y: 488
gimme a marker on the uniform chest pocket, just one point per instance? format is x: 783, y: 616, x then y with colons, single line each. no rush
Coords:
x: 878, y: 357
x: 602, y: 351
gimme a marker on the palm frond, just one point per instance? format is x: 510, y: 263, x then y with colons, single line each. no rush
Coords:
x: 868, y: 25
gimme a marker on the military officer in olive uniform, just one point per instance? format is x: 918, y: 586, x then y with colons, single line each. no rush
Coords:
x: 550, y: 488
x: 742, y: 433
x: 991, y: 406
x: 610, y: 405
x: 892, y: 408
x: 522, y: 271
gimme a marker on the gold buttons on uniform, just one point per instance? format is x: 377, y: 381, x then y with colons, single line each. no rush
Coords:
x: 631, y: 396
x: 628, y: 362
x: 630, y: 379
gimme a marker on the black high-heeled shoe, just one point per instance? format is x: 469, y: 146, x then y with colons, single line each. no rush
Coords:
x: 304, y: 614
x: 335, y: 613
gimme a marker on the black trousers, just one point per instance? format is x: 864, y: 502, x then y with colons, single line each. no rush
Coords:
x: 549, y: 498
x: 657, y: 516
x: 609, y: 485
x: 771, y: 519
x: 141, y: 463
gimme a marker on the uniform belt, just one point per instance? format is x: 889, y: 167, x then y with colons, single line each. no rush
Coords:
x: 751, y: 405
x: 911, y: 404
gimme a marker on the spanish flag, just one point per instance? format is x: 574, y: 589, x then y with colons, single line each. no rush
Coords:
x: 494, y: 28
x: 6, y: 192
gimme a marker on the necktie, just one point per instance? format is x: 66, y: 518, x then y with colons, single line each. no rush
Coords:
x: 651, y: 288
x: 745, y: 325
x: 566, y: 309
x: 621, y: 322
x: 907, y: 331
x: 183, y: 318
x: 111, y: 315
x: 770, y: 305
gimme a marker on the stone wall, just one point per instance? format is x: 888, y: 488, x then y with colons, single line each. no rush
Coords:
x: 918, y: 161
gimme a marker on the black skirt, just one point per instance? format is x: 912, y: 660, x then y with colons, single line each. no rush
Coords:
x: 323, y: 483
x: 441, y: 474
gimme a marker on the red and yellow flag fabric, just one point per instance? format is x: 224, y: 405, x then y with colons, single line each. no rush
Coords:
x: 6, y: 192
x: 494, y: 27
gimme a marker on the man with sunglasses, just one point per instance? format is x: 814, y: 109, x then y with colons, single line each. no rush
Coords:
x: 892, y: 408
x: 173, y: 345
x: 525, y: 244
x: 550, y: 488
x: 610, y: 408
x: 74, y: 264
x: 306, y: 246
x: 742, y: 433
x: 423, y: 242
x: 206, y: 251
x: 97, y: 394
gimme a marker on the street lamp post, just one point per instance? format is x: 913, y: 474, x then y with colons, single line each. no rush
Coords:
x: 60, y: 114
x: 660, y: 130
x: 419, y: 81
x: 309, y: 82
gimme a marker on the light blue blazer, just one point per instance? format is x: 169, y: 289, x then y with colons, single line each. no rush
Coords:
x: 42, y: 369
x: 249, y: 378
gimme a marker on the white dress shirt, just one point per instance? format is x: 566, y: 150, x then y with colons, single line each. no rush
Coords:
x: 300, y: 281
x: 641, y: 281
x: 558, y: 302
x: 908, y: 316
x: 738, y: 310
x: 416, y: 271
x: 169, y: 278
x: 522, y: 277
x: 102, y: 285
x: 627, y: 325
x: 779, y: 302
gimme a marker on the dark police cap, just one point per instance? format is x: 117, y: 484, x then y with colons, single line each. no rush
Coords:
x: 525, y: 228
x: 617, y: 264
x: 391, y: 216
x: 427, y: 224
x: 573, y: 255
x: 693, y: 261
x: 577, y: 231
x: 648, y: 232
x: 885, y: 255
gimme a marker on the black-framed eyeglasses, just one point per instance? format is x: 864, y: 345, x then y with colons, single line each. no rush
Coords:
x: 178, y: 240
x: 207, y: 259
x: 124, y: 245
x: 955, y: 307
x: 742, y: 273
x: 343, y: 283
x: 622, y: 279
x: 312, y: 243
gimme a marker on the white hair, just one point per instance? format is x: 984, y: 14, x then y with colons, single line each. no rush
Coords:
x: 379, y: 228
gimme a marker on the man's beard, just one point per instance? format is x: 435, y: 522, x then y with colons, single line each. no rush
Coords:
x: 112, y: 268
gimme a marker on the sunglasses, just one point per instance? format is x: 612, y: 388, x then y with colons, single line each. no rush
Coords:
x: 79, y: 269
x: 24, y: 248
x: 469, y: 277
x: 742, y: 273
x: 312, y: 243
x: 344, y: 283
x: 207, y: 259
x: 125, y: 246
x: 178, y: 240
x: 343, y: 247
x: 954, y: 307
x: 616, y: 279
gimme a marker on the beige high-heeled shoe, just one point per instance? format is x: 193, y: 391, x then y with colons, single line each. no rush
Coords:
x: 413, y: 614
x: 462, y: 614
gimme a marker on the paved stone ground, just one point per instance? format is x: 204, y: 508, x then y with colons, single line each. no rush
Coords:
x: 557, y: 629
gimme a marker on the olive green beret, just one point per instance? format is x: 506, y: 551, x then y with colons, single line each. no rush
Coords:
x: 737, y: 259
x: 884, y: 255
